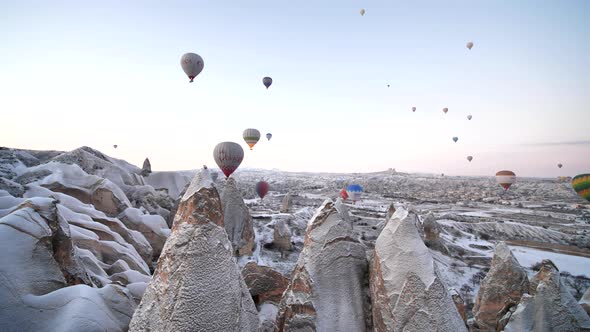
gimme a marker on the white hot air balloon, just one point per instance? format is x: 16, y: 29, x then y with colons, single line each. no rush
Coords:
x: 192, y: 64
x: 469, y: 45
x: 363, y: 11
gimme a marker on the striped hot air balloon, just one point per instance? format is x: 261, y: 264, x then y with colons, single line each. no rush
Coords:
x: 228, y: 156
x: 505, y: 178
x: 344, y: 194
x: 354, y: 192
x: 251, y: 136
x: 581, y: 184
x: 262, y: 189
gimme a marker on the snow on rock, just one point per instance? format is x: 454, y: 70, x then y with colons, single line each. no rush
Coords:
x: 172, y: 182
x: 237, y: 219
x: 500, y: 290
x: 407, y: 293
x: 585, y: 301
x: 197, y: 285
x: 152, y: 227
x: 39, y: 261
x: 327, y: 291
x: 550, y: 307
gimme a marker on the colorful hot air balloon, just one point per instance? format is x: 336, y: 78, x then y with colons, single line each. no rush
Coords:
x: 413, y: 109
x: 469, y: 45
x: 469, y: 117
x: 262, y: 189
x: 115, y: 146
x: 559, y: 165
x: 268, y: 136
x: 354, y: 192
x: 251, y: 136
x: 505, y: 178
x: 581, y: 184
x: 455, y: 139
x: 344, y: 194
x: 192, y: 64
x: 445, y: 110
x: 363, y: 11
x: 267, y: 81
x: 228, y: 156
x: 470, y: 158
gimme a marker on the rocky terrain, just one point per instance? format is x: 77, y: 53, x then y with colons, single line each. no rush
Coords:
x: 91, y: 241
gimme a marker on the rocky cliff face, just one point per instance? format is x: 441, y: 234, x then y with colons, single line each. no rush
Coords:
x: 407, y: 293
x: 550, y: 307
x: 286, y: 204
x: 327, y: 291
x: 500, y: 290
x: 197, y: 285
x: 237, y: 219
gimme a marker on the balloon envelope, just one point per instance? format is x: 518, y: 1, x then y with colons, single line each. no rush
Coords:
x: 228, y: 156
x: 268, y: 136
x: 344, y: 194
x: 581, y: 184
x: 470, y: 158
x: 455, y: 139
x: 354, y: 192
x: 363, y: 11
x: 505, y: 178
x: 413, y: 109
x: 115, y: 146
x: 251, y: 136
x: 559, y: 165
x: 267, y: 81
x: 262, y: 188
x: 445, y: 110
x: 469, y: 117
x: 469, y: 45
x: 192, y: 64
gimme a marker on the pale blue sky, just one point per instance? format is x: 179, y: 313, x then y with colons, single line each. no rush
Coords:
x: 79, y: 73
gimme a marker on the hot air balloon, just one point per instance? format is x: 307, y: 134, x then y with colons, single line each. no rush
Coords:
x: 228, y: 156
x: 388, y: 85
x: 354, y: 192
x: 559, y: 165
x: 267, y: 81
x: 445, y: 110
x: 363, y: 11
x: 262, y: 189
x: 581, y: 184
x: 192, y: 64
x: 344, y: 194
x: 469, y: 45
x: 251, y: 136
x: 455, y: 139
x: 413, y: 109
x: 268, y: 136
x: 115, y: 146
x: 505, y: 178
x: 470, y: 158
x: 469, y: 117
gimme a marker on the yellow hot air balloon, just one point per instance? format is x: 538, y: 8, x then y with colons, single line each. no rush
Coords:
x: 251, y: 136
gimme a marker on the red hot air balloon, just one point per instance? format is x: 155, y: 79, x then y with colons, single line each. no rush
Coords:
x: 228, y: 156
x: 262, y: 188
x: 344, y: 194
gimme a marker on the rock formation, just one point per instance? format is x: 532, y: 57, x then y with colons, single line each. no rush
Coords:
x: 500, y: 290
x: 585, y: 301
x: 152, y: 227
x: 147, y: 167
x: 390, y: 212
x: 286, y: 204
x: 237, y: 219
x: 197, y: 285
x: 551, y: 308
x: 327, y: 291
x: 459, y: 303
x: 44, y: 277
x: 407, y: 293
x: 264, y: 283
x: 282, y: 236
